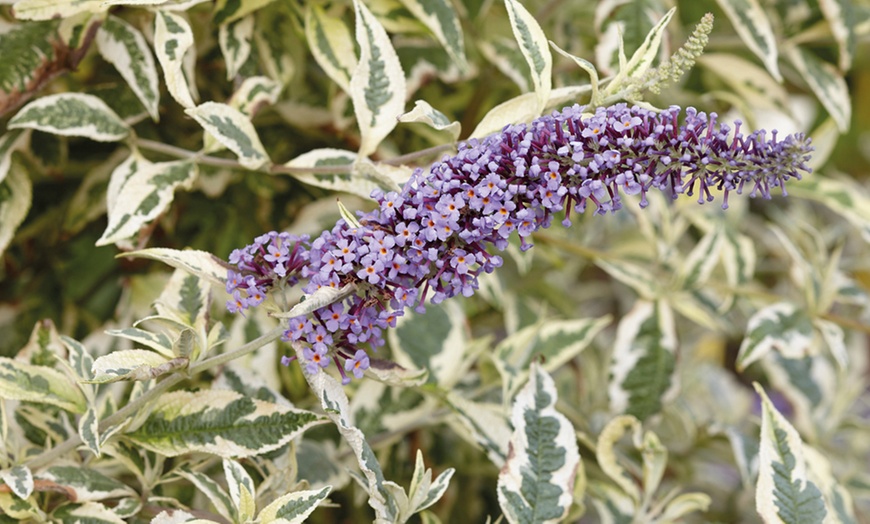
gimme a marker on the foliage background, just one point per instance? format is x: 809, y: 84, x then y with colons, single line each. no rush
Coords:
x: 809, y: 252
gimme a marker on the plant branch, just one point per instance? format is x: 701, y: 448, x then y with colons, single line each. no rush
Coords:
x: 164, y: 385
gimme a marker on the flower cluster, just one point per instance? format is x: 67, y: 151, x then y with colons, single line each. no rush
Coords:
x: 433, y: 240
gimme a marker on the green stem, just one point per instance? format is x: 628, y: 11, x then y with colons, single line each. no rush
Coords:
x: 164, y: 385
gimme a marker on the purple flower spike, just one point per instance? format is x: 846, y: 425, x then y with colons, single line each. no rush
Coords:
x: 433, y: 240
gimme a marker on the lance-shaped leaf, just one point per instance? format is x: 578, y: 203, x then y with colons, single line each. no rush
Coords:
x: 48, y: 9
x: 185, y: 299
x: 226, y: 11
x: 40, y: 384
x: 123, y: 46
x: 275, y: 45
x: 344, y: 179
x: 841, y: 16
x: 84, y: 484
x: 435, y: 341
x: 139, y: 191
x: 32, y: 51
x: 90, y: 512
x: 533, y: 44
x: 426, y: 114
x: 235, y: 43
x: 72, y: 114
x: 642, y: 365
x: 585, y: 65
x: 695, y: 269
x: 19, y: 479
x: 783, y: 493
x: 537, y: 481
x: 200, y: 263
x: 826, y: 82
x: 293, y: 508
x: 810, y: 385
x: 782, y: 327
x: 216, y: 494
x: 751, y: 23
x: 232, y: 129
x: 172, y: 40
x: 127, y: 364
x: 89, y: 430
x: 16, y: 193
x: 377, y: 86
x: 335, y: 404
x: 606, y: 455
x: 636, y: 276
x: 517, y: 110
x: 331, y: 45
x: 752, y: 83
x: 643, y: 57
x: 841, y: 196
x: 505, y: 55
x: 440, y: 17
x: 9, y: 143
x: 255, y: 92
x: 220, y: 422
x: 241, y: 488
x: 482, y: 424
x: 423, y: 491
x: 156, y: 341
x: 320, y: 298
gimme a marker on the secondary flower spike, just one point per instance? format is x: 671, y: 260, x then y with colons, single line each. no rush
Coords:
x: 432, y: 240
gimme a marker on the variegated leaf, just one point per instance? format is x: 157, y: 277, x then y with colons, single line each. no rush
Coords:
x: 441, y: 18
x: 200, y: 263
x: 483, y: 425
x: 275, y: 45
x: 319, y: 465
x: 123, y: 46
x: 835, y: 338
x: 517, y: 110
x: 173, y: 38
x: 782, y: 327
x: 435, y: 341
x: 320, y: 298
x: 89, y: 430
x: 21, y: 510
x: 9, y: 143
x: 255, y: 92
x: 331, y: 44
x: 84, y: 484
x: 48, y: 9
x: 504, y: 54
x: 738, y: 258
x: 16, y: 194
x: 537, y: 481
x: 837, y: 497
x: 533, y: 44
x: 226, y: 11
x: 751, y: 23
x: 377, y: 408
x: 388, y: 372
x: 426, y: 114
x: 72, y: 114
x: 841, y: 196
x: 139, y: 191
x: 377, y: 86
x: 235, y: 43
x: 156, y: 341
x: 810, y: 385
x: 39, y: 384
x: 19, y: 479
x: 293, y: 508
x: 585, y: 65
x: 165, y: 5
x: 423, y: 491
x: 636, y: 276
x: 643, y: 57
x: 344, y: 180
x: 232, y: 129
x: 242, y: 490
x: 841, y: 16
x: 697, y: 267
x: 783, y: 493
x: 216, y: 494
x: 751, y: 83
x: 553, y: 342
x: 643, y: 361
x: 89, y: 512
x: 223, y: 423
x: 826, y: 82
x: 335, y: 404
x: 127, y: 364
x: 605, y: 453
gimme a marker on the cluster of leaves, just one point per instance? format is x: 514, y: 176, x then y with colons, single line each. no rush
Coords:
x: 604, y: 376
